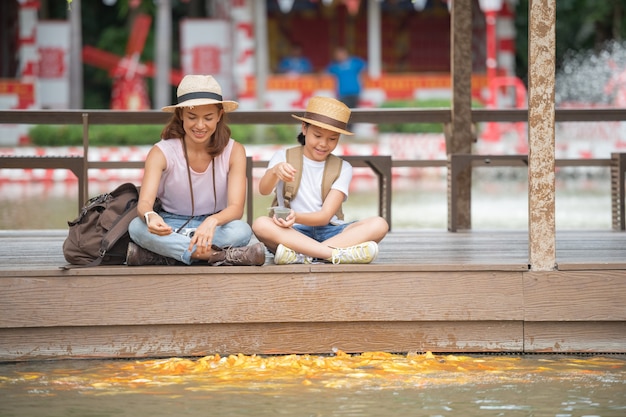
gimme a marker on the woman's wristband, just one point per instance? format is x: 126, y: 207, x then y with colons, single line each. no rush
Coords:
x: 148, y: 213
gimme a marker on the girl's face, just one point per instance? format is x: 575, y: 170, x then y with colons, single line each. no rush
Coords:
x: 319, y: 142
x: 200, y: 122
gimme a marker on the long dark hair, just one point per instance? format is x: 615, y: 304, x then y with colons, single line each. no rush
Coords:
x: 174, y: 130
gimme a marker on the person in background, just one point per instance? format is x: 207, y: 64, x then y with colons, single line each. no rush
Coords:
x: 197, y: 172
x: 315, y: 229
x: 347, y: 71
x: 296, y: 63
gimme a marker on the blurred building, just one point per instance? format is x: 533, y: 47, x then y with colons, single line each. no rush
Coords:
x: 405, y: 42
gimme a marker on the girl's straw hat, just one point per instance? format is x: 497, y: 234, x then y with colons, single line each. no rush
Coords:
x: 328, y: 113
x: 199, y: 90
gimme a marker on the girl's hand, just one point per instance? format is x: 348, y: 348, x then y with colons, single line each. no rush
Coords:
x: 288, y: 222
x: 284, y: 171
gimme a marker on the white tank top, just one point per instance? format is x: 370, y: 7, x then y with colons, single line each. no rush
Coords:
x: 174, y: 187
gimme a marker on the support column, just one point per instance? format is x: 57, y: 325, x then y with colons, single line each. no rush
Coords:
x: 261, y: 51
x: 541, y: 110
x: 163, y: 52
x: 75, y: 58
x: 374, y: 53
x: 459, y: 132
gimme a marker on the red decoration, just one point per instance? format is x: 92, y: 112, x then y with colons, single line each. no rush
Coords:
x: 129, y: 85
x: 51, y: 64
x: 352, y: 6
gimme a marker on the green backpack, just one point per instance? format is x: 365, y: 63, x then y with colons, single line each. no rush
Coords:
x: 332, y: 169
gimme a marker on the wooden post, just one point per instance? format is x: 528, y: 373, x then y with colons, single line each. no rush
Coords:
x: 541, y: 111
x: 459, y: 132
x: 83, y: 179
x: 618, y: 192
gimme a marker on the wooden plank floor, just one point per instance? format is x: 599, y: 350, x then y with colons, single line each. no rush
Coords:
x: 37, y: 249
x: 427, y: 291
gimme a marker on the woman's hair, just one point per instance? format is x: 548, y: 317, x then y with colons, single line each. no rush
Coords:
x: 174, y: 130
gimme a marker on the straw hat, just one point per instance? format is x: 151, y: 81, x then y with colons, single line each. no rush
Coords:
x: 199, y: 90
x: 328, y: 113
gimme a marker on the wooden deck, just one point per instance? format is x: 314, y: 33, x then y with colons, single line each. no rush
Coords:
x: 427, y: 291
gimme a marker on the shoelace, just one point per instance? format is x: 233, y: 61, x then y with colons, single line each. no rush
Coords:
x: 290, y: 256
x: 355, y: 253
x: 293, y: 257
x: 235, y: 255
x: 301, y: 259
x: 305, y: 259
x: 231, y: 255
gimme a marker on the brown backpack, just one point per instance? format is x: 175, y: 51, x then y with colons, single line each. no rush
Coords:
x: 99, y: 235
x: 332, y: 169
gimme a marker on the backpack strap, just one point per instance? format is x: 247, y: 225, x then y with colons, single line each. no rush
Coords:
x: 290, y: 189
x: 332, y: 169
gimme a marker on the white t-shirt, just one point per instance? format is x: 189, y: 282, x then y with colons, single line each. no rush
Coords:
x: 309, y: 196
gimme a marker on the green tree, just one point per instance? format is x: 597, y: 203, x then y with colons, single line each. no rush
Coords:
x: 580, y: 25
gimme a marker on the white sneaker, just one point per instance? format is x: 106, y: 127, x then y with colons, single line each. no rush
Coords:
x: 363, y: 253
x: 286, y: 256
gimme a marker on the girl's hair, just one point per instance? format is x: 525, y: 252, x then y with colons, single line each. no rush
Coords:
x: 174, y: 130
x: 301, y: 138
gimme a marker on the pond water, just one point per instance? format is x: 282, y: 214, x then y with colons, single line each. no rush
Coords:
x: 369, y: 384
x: 499, y: 201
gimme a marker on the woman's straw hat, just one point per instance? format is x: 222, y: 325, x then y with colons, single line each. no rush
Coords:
x: 328, y: 113
x: 199, y: 90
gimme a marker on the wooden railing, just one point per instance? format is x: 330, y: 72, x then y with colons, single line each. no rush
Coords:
x: 80, y: 165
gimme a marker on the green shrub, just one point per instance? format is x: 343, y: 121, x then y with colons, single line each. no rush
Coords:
x: 99, y: 135
x: 416, y: 127
x: 137, y: 135
x: 44, y: 135
x: 242, y: 133
x: 282, y: 133
x: 265, y: 134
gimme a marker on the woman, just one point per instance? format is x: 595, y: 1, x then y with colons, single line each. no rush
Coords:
x: 197, y: 176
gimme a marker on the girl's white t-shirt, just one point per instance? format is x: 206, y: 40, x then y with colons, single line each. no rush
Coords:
x: 309, y: 196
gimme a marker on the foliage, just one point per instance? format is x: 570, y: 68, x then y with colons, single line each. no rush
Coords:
x: 580, y: 25
x: 416, y: 127
x: 45, y: 135
x: 137, y: 135
x: 100, y: 135
x: 274, y: 134
x: 281, y: 134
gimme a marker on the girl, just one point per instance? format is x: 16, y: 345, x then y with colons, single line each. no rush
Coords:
x: 314, y: 229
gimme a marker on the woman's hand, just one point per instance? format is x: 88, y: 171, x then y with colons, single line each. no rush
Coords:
x: 157, y: 226
x: 203, y: 236
x: 288, y: 222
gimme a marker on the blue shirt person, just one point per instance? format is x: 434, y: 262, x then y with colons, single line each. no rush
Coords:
x: 347, y: 72
x: 296, y: 63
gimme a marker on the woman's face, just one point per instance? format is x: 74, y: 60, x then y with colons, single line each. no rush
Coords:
x: 200, y: 122
x: 319, y: 142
